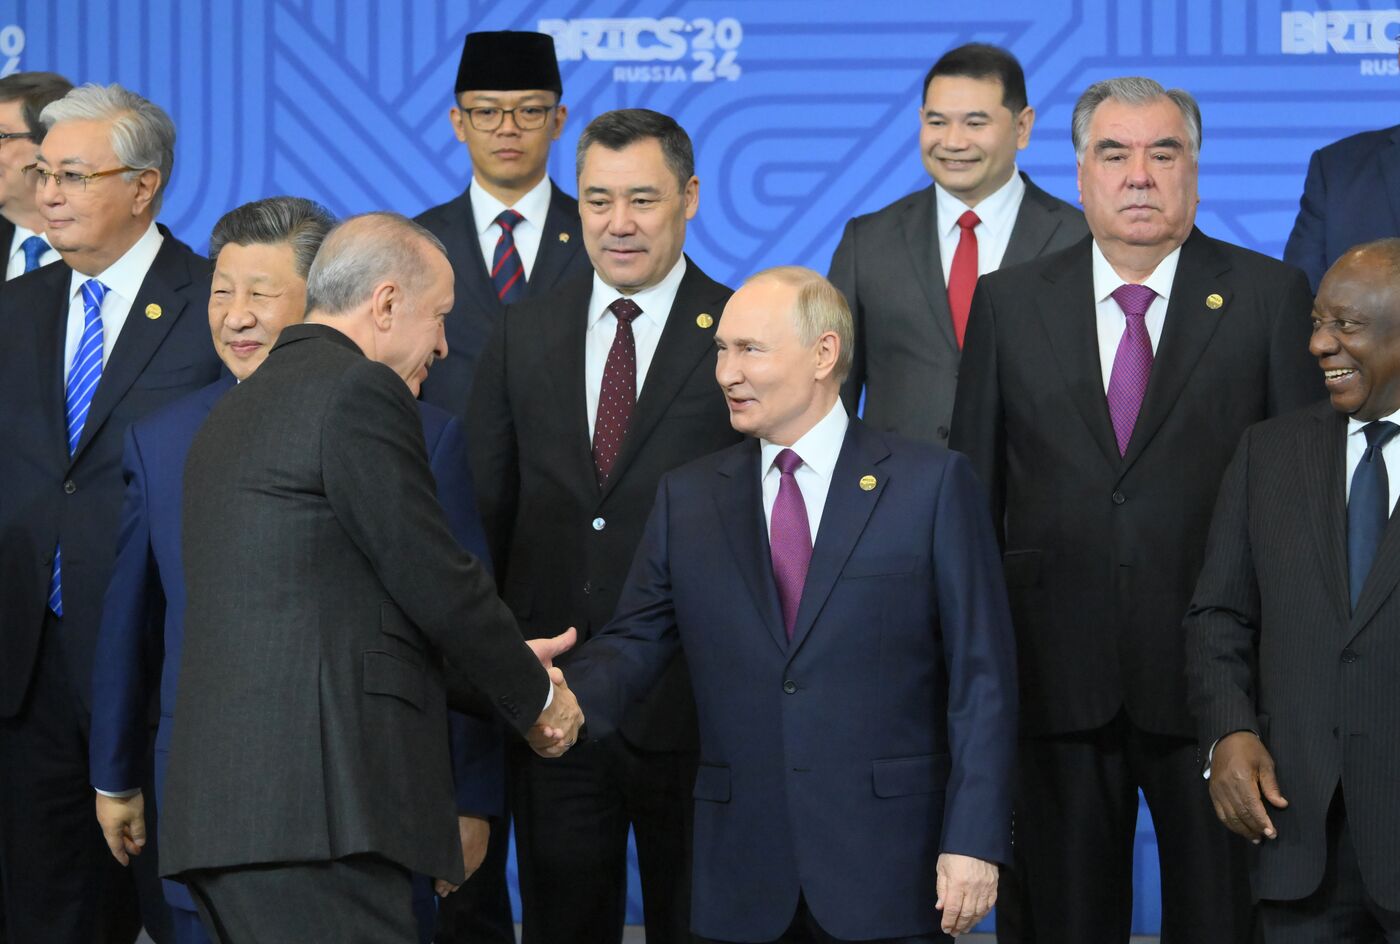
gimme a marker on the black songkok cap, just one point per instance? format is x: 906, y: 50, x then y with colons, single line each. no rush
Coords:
x: 508, y: 61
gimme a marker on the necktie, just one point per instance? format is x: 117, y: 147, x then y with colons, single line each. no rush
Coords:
x: 1368, y: 507
x: 507, y: 271
x: 790, y: 538
x: 962, y: 275
x: 82, y: 382
x: 618, y: 393
x: 33, y: 247
x: 1132, y: 365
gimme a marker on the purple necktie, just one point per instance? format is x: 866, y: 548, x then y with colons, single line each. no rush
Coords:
x: 1132, y: 365
x: 790, y: 537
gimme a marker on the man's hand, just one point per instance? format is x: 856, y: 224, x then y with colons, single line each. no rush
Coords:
x: 967, y: 889
x: 123, y: 822
x: 547, y: 650
x: 557, y: 728
x: 1240, y: 770
x: 475, y: 833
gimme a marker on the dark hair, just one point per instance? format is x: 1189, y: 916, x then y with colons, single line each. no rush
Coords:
x: 34, y: 90
x: 616, y: 130
x: 984, y: 61
x: 296, y: 221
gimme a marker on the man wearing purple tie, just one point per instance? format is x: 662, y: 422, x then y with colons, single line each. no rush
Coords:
x: 837, y: 594
x: 1102, y: 393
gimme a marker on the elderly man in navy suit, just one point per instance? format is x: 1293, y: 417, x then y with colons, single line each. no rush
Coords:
x: 849, y: 640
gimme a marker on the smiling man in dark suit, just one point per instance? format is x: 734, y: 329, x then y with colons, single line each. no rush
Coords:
x: 582, y: 400
x: 1294, y: 631
x: 908, y: 270
x: 1102, y: 393
x: 92, y: 344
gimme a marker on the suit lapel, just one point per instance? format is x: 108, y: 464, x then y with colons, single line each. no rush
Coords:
x: 564, y: 364
x: 560, y: 241
x: 1390, y: 170
x: 1322, y: 452
x: 465, y: 248
x: 844, y: 517
x: 51, y: 330
x: 1067, y: 310
x: 1385, y: 571
x: 1188, y: 328
x: 1033, y: 229
x: 926, y: 260
x: 739, y: 509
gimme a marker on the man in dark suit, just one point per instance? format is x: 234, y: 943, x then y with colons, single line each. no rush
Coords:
x: 92, y: 344
x: 1292, y: 643
x: 512, y: 234
x: 23, y: 96
x: 839, y: 600
x: 1102, y: 392
x: 908, y: 270
x: 1351, y: 196
x: 583, y: 400
x: 308, y: 773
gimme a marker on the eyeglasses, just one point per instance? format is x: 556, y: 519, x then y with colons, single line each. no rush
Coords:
x: 527, y: 117
x: 7, y: 135
x: 67, y: 179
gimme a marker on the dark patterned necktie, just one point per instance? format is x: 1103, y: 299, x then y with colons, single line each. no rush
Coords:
x: 618, y: 394
x: 790, y: 539
x: 1132, y: 365
x: 1368, y: 506
x: 507, y: 269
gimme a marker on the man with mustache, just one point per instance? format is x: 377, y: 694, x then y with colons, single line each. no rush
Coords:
x: 1102, y: 392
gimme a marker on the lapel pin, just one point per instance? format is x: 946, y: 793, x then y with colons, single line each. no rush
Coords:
x: 867, y: 483
x: 153, y: 311
x: 1214, y: 301
x: 704, y: 320
x: 563, y: 237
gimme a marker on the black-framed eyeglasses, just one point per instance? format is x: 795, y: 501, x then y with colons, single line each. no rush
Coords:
x: 67, y: 179
x: 7, y: 135
x: 526, y: 117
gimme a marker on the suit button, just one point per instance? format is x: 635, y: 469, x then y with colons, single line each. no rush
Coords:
x: 942, y: 432
x: 69, y: 487
x: 790, y: 686
x: 1119, y: 498
x: 599, y: 524
x: 1349, y: 655
x: 588, y: 586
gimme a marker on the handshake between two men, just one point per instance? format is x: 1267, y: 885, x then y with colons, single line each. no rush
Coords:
x: 558, y: 726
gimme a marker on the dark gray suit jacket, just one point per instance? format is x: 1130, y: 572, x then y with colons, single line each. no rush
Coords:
x: 890, y: 270
x: 1274, y: 647
x: 329, y: 611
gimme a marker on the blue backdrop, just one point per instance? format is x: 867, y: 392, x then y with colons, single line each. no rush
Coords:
x: 803, y: 111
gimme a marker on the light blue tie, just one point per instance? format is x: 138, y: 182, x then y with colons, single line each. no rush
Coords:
x: 82, y: 383
x: 33, y: 247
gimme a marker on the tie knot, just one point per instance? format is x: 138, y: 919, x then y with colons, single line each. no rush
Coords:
x: 1134, y: 299
x: 34, y: 247
x: 968, y: 220
x: 1379, y: 433
x: 788, y: 462
x: 93, y: 293
x: 507, y: 219
x: 624, y: 310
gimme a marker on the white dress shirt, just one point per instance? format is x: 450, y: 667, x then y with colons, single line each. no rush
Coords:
x: 1111, y: 320
x: 655, y: 303
x: 123, y: 279
x: 997, y: 211
x: 1356, y: 447
x: 534, y: 207
x: 818, y: 449
x: 15, y: 266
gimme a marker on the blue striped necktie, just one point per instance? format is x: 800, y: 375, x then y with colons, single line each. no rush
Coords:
x: 507, y: 269
x: 34, y: 247
x: 83, y: 377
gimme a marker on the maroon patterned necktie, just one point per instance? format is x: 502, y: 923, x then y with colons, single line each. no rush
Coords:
x: 618, y: 393
x: 790, y: 539
x: 1132, y: 365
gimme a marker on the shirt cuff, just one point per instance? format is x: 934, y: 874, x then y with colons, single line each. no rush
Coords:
x: 548, y: 699
x: 119, y: 794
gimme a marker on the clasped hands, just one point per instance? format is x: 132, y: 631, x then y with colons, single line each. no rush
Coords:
x: 557, y: 728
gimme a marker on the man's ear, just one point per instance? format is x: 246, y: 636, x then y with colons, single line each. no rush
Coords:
x: 384, y: 303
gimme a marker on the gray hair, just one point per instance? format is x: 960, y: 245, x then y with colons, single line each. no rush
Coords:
x: 820, y: 307
x: 362, y: 252
x: 295, y: 221
x: 143, y: 136
x: 1133, y: 90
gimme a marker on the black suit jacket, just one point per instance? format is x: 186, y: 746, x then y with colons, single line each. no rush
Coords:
x: 49, y: 497
x: 561, y: 545
x: 327, y: 602
x: 1275, y: 648
x: 1101, y: 551
x: 476, y: 308
x: 889, y: 267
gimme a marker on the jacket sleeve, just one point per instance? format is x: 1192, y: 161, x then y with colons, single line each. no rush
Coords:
x: 978, y: 421
x: 1294, y: 378
x: 843, y: 275
x: 1307, y: 244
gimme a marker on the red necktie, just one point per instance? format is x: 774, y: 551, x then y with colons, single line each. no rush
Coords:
x: 618, y: 393
x: 962, y: 277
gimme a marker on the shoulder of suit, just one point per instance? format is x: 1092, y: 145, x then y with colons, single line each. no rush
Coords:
x: 1253, y: 264
x: 182, y: 415
x: 436, y: 420
x: 1048, y: 201
x: 1357, y: 146
x: 893, y: 212
x: 444, y: 215
x: 1313, y: 419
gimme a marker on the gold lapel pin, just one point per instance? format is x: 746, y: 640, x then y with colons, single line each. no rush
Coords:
x: 867, y: 483
x: 153, y: 311
x: 704, y: 320
x: 563, y: 237
x: 1214, y: 301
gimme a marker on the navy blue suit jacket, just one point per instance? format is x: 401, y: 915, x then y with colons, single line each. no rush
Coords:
x: 1352, y: 196
x: 840, y: 764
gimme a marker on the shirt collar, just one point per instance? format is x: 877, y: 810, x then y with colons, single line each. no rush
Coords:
x: 1355, y: 425
x: 819, y: 447
x: 534, y: 206
x: 1107, y: 281
x: 991, y: 210
x: 126, y: 274
x: 655, y: 302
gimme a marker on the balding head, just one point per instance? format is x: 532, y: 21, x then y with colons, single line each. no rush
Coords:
x: 1356, y: 330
